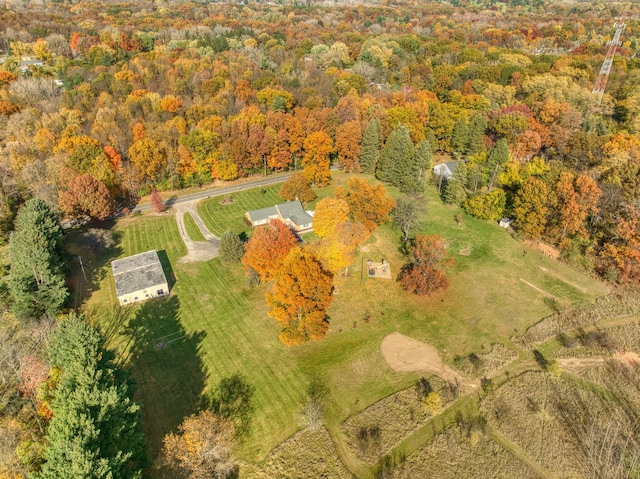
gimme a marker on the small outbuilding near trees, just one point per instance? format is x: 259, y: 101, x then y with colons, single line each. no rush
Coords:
x: 139, y: 277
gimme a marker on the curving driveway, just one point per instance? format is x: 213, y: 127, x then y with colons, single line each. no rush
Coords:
x: 196, y: 250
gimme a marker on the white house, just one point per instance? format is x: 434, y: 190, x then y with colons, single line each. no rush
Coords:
x: 291, y: 213
x: 139, y: 277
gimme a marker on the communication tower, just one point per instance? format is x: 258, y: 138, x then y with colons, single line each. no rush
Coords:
x: 613, y: 44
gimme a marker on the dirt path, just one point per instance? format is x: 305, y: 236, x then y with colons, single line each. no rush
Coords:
x: 542, y: 291
x: 576, y: 364
x: 196, y: 250
x: 405, y: 354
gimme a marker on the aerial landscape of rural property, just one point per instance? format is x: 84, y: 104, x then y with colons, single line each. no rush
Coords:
x: 319, y: 239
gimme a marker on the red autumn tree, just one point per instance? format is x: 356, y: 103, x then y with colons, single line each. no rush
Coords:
x: 301, y: 296
x: 157, y: 203
x: 86, y: 196
x: 267, y: 249
x: 297, y: 187
x: 369, y: 205
x: 424, y: 273
x: 316, y: 162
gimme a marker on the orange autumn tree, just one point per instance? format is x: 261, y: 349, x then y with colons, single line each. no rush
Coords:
x: 316, y: 162
x: 424, y: 273
x: 297, y: 188
x: 348, y: 140
x: 621, y: 257
x: 577, y: 199
x: 86, y: 196
x: 369, y: 204
x: 300, y: 298
x: 329, y: 213
x: 267, y: 248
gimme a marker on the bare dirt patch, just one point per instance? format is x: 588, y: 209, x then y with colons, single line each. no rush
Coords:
x: 544, y: 248
x: 405, y: 354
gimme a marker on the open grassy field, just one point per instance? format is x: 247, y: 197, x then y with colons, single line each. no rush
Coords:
x: 221, y: 217
x: 214, y: 325
x: 192, y: 229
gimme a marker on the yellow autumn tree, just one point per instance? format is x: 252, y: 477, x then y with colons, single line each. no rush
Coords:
x: 329, y: 213
x: 300, y: 298
x: 316, y: 162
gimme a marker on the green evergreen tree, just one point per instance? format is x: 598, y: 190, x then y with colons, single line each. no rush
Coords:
x: 370, y: 147
x: 36, y: 253
x: 430, y: 137
x: 95, y: 431
x: 460, y: 138
x: 423, y: 157
x: 477, y: 127
x: 397, y: 159
x: 455, y: 191
x: 231, y: 248
x: 498, y: 157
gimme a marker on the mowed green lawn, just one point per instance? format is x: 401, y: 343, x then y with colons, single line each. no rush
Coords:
x: 192, y: 229
x: 211, y: 327
x: 214, y: 325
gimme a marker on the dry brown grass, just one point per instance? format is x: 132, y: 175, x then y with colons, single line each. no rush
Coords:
x: 622, y: 303
x: 556, y: 422
x: 486, y: 363
x: 604, y: 342
x: 456, y: 453
x: 620, y: 374
x: 396, y: 416
x: 304, y: 455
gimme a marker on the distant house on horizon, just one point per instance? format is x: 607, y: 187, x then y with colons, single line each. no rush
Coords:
x: 291, y: 213
x: 445, y: 169
x: 139, y: 277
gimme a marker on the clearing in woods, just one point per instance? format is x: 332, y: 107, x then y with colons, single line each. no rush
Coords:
x: 215, y: 325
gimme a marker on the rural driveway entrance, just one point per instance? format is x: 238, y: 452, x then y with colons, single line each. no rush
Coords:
x: 196, y: 250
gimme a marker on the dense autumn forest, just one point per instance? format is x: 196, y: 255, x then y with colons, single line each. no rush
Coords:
x: 104, y: 103
x: 132, y: 97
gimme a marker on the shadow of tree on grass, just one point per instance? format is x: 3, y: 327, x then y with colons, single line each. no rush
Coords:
x: 90, y: 250
x: 166, y: 362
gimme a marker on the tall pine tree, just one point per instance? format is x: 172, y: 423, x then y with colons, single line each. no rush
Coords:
x: 455, y: 191
x: 477, y: 127
x: 397, y: 159
x: 460, y: 137
x: 370, y: 147
x: 95, y: 431
x: 424, y: 154
x: 498, y: 157
x: 36, y: 252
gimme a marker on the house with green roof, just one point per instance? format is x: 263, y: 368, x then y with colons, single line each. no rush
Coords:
x: 291, y: 213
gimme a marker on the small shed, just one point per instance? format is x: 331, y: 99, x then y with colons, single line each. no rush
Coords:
x: 445, y: 169
x: 139, y: 277
x: 505, y: 222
